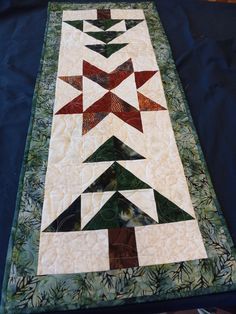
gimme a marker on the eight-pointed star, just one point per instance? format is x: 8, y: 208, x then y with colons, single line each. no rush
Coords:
x: 109, y: 102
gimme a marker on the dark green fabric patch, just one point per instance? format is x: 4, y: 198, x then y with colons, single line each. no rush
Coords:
x: 106, y: 50
x: 76, y: 24
x: 116, y: 178
x: 104, y: 36
x: 168, y: 211
x: 69, y: 220
x: 127, y: 180
x: 104, y: 153
x: 132, y: 23
x: 119, y: 212
x: 112, y: 48
x: 103, y: 24
x: 113, y: 149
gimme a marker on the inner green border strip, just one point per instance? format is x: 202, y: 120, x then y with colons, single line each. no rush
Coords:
x: 24, y: 293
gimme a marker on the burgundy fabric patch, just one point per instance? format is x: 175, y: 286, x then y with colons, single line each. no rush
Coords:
x: 73, y: 107
x: 132, y: 118
x: 95, y: 74
x: 75, y: 81
x: 146, y: 104
x: 103, y: 14
x: 111, y: 103
x: 122, y: 248
x: 108, y: 80
x: 90, y: 120
x: 119, y: 105
x: 142, y: 77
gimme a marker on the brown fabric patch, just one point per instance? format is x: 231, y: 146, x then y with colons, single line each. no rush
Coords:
x: 146, y: 104
x: 75, y: 81
x: 122, y: 248
x: 103, y: 14
x: 75, y: 106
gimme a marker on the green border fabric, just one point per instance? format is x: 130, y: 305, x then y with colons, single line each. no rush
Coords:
x: 24, y: 292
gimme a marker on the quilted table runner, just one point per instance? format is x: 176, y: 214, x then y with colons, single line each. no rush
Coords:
x: 115, y: 204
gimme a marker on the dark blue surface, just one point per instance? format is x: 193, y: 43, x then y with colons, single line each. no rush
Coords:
x: 203, y: 39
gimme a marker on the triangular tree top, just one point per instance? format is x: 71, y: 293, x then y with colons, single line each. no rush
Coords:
x: 69, y: 220
x: 119, y: 212
x: 116, y: 178
x: 113, y: 149
x: 104, y: 24
x: 106, y: 37
x: 106, y: 50
x: 167, y: 211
